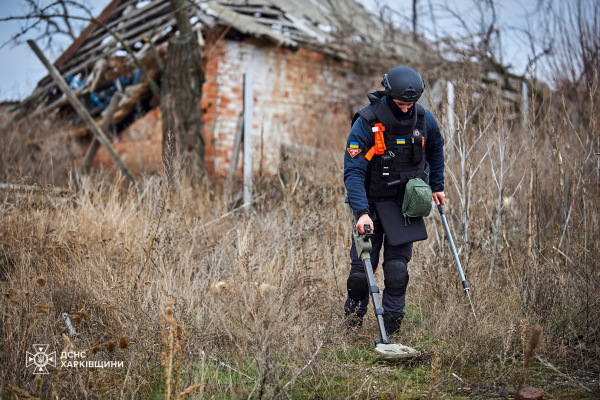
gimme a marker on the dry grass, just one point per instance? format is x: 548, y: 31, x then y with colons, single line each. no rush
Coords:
x: 251, y: 302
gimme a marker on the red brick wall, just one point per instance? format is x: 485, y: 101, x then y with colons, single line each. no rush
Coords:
x: 140, y: 145
x: 300, y: 97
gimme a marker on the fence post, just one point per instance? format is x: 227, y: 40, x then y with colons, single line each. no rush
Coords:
x: 248, y: 139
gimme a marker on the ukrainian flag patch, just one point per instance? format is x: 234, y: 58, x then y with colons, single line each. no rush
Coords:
x: 400, y: 141
x: 354, y: 145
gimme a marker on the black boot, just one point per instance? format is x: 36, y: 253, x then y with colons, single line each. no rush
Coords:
x: 353, y: 322
x: 392, y: 323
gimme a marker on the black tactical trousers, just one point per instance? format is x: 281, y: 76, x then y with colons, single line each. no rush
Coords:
x: 391, y: 304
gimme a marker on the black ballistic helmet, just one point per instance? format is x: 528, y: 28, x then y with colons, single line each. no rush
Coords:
x: 403, y: 83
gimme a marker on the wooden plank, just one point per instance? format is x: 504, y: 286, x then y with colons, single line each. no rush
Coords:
x: 130, y: 103
x: 138, y: 13
x: 272, y: 21
x: 60, y: 102
x: 94, y: 34
x: 63, y: 100
x: 151, y: 45
x: 117, y: 13
x: 235, y: 152
x: 127, y: 106
x: 207, y: 20
x: 127, y: 23
x: 251, y: 3
x: 126, y: 38
x: 89, y: 59
x: 253, y: 10
x: 98, y: 134
x: 47, y: 81
x: 101, y: 33
x: 84, y: 35
x: 106, y: 120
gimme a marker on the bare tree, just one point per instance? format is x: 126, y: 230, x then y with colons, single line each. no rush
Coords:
x: 57, y: 18
x: 183, y: 78
x: 183, y: 75
x: 464, y: 144
x: 574, y: 66
x: 502, y: 157
x: 477, y: 37
x: 414, y: 18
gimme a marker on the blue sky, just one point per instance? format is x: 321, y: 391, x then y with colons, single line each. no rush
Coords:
x: 20, y: 70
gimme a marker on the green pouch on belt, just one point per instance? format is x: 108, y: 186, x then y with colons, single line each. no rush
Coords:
x: 417, y: 199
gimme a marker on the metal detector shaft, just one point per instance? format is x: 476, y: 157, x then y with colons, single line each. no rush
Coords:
x: 362, y: 242
x: 455, y: 253
x: 374, y: 290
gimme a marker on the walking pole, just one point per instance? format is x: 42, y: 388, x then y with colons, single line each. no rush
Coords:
x: 460, y: 270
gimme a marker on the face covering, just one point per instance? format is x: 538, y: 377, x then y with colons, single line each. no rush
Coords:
x: 397, y: 111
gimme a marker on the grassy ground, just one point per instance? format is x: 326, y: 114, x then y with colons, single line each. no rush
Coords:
x: 253, y: 303
x: 199, y: 298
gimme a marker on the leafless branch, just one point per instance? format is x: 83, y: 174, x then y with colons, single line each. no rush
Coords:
x: 49, y: 20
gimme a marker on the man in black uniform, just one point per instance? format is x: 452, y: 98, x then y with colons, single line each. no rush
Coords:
x: 392, y: 140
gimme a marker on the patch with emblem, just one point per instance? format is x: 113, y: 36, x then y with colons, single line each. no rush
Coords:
x: 353, y: 152
x: 417, y: 133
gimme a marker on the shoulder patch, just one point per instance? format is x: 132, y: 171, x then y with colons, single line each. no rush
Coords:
x: 353, y: 152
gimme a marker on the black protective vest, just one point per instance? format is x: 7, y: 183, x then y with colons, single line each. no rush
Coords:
x: 404, y: 157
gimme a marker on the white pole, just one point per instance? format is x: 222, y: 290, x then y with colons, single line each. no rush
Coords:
x: 450, y: 122
x: 451, y: 110
x: 525, y: 105
x: 247, y: 139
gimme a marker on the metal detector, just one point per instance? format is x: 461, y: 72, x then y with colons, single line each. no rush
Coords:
x: 460, y: 270
x: 383, y: 347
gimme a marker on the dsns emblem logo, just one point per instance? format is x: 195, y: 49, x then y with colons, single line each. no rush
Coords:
x: 41, y: 359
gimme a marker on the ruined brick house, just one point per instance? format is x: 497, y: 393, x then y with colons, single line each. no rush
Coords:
x: 306, y: 83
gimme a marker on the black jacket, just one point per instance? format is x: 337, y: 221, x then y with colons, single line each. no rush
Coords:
x: 362, y: 138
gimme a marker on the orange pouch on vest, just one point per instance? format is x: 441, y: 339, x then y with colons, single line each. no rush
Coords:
x: 379, y: 142
x: 379, y: 147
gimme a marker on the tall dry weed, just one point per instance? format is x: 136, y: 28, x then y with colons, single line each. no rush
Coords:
x: 257, y: 295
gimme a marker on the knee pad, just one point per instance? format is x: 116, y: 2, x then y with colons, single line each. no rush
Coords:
x: 358, y: 286
x: 395, y: 275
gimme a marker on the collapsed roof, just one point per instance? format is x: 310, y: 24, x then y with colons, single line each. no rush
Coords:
x: 96, y: 56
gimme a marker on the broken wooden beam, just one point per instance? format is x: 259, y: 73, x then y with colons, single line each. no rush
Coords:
x: 235, y: 152
x: 86, y: 33
x: 104, y: 125
x: 96, y: 131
